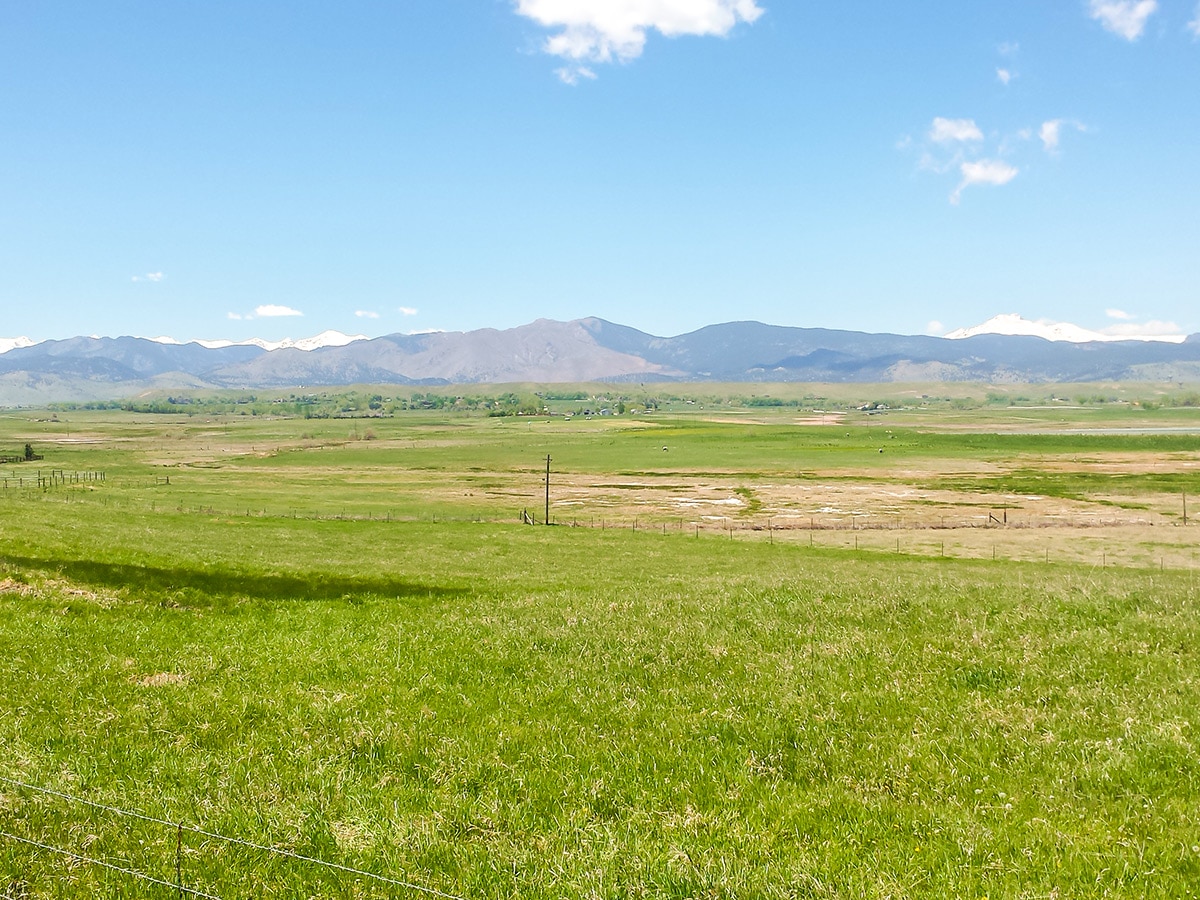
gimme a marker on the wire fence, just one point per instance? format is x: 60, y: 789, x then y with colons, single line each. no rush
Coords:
x: 53, y: 478
x: 180, y: 852
x: 177, y: 885
x: 781, y: 521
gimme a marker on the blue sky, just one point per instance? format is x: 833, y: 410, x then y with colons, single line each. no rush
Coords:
x: 212, y: 169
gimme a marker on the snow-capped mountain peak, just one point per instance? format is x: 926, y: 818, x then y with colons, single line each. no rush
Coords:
x: 1014, y: 324
x: 324, y: 339
x: 7, y: 344
x: 328, y: 339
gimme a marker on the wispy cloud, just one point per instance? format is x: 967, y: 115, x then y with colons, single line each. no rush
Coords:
x: 1004, y: 76
x: 935, y: 328
x: 1154, y: 329
x: 1124, y: 18
x: 992, y: 172
x: 604, y: 31
x: 1194, y: 25
x: 273, y: 310
x: 366, y: 314
x: 407, y: 311
x: 1051, y: 132
x: 946, y: 131
x: 573, y: 74
x: 960, y: 146
x: 153, y: 277
x: 267, y: 311
x: 1129, y: 327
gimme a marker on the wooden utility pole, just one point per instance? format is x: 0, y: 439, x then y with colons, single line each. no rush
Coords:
x: 1185, y: 507
x: 547, y: 489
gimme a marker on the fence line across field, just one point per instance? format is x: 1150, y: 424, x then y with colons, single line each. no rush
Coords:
x: 54, y: 478
x: 132, y: 873
x: 798, y: 521
x: 196, y: 830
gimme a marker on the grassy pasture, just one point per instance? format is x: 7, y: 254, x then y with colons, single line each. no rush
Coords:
x: 1088, y: 490
x: 347, y: 647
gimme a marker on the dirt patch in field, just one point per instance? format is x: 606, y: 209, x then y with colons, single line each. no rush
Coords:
x: 819, y: 419
x: 832, y: 503
x: 1101, y: 546
x: 1122, y: 463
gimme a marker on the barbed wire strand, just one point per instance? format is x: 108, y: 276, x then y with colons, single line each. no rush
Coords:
x: 193, y: 829
x: 98, y: 862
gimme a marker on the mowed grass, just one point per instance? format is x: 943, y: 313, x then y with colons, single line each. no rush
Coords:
x: 498, y: 711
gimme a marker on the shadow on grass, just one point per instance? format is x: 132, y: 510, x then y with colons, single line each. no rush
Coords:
x: 190, y: 583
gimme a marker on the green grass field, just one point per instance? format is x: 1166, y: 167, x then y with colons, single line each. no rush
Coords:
x: 346, y: 647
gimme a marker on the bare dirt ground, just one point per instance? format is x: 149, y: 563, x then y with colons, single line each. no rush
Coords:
x: 898, y: 513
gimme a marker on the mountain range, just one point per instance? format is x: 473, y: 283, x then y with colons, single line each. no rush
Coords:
x: 591, y: 349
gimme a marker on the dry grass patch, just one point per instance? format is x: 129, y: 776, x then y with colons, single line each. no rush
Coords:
x: 161, y: 679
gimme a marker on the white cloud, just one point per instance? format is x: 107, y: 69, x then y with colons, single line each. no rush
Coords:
x: 571, y: 74
x: 366, y: 314
x: 935, y: 328
x: 961, y: 148
x: 1051, y: 132
x: 1013, y: 323
x: 605, y: 31
x: 1129, y: 328
x: 1153, y: 329
x: 1009, y: 48
x: 1004, y: 75
x: 1194, y: 25
x: 1124, y: 18
x: 236, y: 317
x: 153, y: 277
x: 272, y: 310
x: 945, y: 131
x: 407, y: 311
x: 986, y: 171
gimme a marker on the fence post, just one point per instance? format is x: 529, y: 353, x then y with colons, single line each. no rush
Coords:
x: 179, y: 858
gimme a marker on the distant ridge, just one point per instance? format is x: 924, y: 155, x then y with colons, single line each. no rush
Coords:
x: 591, y: 349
